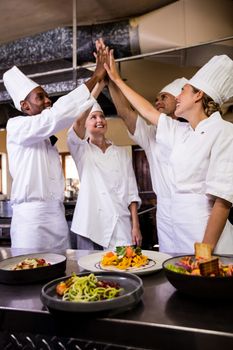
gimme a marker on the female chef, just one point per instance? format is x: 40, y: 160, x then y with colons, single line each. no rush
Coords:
x: 199, y: 155
x: 106, y: 211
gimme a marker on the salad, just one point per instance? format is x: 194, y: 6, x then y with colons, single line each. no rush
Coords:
x: 190, y: 265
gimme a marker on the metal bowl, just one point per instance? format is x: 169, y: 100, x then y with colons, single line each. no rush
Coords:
x: 200, y: 286
x: 132, y: 291
x: 10, y: 276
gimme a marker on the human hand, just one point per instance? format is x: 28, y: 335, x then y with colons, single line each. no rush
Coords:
x: 136, y: 236
x: 101, y: 58
x: 110, y: 66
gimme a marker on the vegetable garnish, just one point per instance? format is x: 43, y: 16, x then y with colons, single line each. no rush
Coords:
x: 31, y: 263
x: 124, y: 258
x: 87, y: 288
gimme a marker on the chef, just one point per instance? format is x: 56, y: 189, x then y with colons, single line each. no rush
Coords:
x: 106, y: 211
x: 199, y: 155
x: 144, y: 135
x: 165, y: 101
x: 38, y: 219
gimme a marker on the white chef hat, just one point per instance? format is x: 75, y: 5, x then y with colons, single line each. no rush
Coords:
x: 215, y: 78
x: 18, y: 85
x: 174, y: 88
x: 96, y: 108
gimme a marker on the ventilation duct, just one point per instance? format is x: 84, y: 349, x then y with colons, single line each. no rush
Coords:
x: 174, y: 34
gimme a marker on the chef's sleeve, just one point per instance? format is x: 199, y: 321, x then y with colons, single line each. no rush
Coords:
x: 77, y: 147
x: 133, y: 195
x: 32, y: 129
x: 219, y: 179
x: 143, y: 133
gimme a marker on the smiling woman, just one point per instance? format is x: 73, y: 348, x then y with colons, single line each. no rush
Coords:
x: 108, y: 191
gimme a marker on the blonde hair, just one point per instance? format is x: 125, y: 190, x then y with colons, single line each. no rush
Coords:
x: 208, y: 104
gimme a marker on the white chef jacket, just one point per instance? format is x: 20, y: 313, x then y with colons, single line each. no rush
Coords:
x: 108, y: 187
x: 198, y: 166
x: 36, y: 170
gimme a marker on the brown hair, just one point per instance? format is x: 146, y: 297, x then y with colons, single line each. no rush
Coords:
x: 208, y: 104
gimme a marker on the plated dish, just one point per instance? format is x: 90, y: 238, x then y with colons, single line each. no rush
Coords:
x: 204, y: 286
x: 130, y: 285
x: 56, y: 266
x: 92, y: 263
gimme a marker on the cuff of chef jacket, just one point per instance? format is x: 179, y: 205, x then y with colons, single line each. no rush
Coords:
x: 83, y: 98
x: 137, y: 200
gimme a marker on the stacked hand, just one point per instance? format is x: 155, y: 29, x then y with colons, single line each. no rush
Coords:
x: 101, y: 59
x: 108, y: 59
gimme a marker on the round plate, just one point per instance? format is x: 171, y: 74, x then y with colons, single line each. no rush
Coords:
x: 200, y: 286
x: 9, y: 276
x: 92, y: 263
x: 131, y: 295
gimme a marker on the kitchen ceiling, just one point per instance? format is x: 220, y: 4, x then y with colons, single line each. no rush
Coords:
x: 36, y: 35
x: 21, y: 25
x: 20, y: 18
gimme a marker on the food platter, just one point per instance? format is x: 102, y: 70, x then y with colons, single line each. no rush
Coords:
x: 200, y: 286
x: 132, y: 291
x: 92, y: 263
x: 56, y: 268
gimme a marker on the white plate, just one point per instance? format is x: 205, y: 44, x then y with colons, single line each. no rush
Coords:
x: 92, y: 263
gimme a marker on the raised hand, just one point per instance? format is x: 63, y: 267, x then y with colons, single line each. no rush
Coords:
x: 111, y: 67
x: 101, y: 58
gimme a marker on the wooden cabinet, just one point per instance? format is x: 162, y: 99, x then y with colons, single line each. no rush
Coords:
x: 147, y: 212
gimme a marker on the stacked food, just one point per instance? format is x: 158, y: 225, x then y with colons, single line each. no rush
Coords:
x: 202, y: 264
x: 125, y: 257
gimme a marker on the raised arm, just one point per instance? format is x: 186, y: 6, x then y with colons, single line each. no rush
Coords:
x: 123, y: 107
x: 144, y: 107
x: 100, y: 72
x: 79, y: 124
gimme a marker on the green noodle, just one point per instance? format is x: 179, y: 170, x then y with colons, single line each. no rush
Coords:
x: 84, y: 289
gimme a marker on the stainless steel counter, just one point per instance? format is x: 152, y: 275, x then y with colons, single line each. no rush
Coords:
x: 164, y: 319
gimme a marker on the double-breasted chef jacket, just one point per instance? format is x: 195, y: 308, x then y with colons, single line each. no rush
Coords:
x: 189, y: 168
x: 38, y: 185
x: 107, y: 188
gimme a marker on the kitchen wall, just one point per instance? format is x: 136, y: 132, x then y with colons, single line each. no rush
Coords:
x: 2, y: 141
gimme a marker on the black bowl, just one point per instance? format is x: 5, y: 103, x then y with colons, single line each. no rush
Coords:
x: 132, y: 292
x: 200, y: 286
x: 56, y: 268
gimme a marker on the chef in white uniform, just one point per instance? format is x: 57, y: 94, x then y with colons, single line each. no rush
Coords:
x: 144, y: 134
x: 106, y: 211
x: 37, y: 190
x: 199, y: 157
x: 165, y: 101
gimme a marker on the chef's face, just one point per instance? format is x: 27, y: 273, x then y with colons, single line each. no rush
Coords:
x: 36, y: 101
x: 166, y: 103
x: 96, y: 123
x: 186, y: 100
